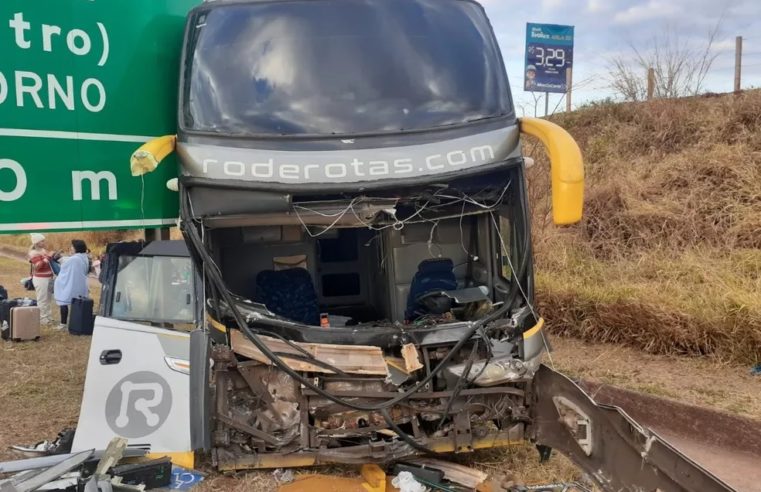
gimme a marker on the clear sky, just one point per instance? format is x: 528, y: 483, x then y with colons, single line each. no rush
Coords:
x: 607, y: 28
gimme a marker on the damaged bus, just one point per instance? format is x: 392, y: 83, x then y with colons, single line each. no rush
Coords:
x: 353, y: 199
x: 353, y: 185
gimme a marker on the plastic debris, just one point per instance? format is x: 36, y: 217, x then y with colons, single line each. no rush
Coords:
x: 756, y: 370
x: 283, y: 476
x: 406, y: 482
x: 61, y: 445
x: 184, y: 479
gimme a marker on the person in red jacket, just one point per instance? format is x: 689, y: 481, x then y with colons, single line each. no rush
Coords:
x: 42, y: 276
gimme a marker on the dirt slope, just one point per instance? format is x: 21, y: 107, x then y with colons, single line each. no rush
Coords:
x: 668, y: 257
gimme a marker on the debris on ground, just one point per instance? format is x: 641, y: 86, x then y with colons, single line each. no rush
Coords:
x: 118, y: 468
x: 61, y: 445
x: 184, y: 479
x: 283, y: 476
x: 756, y: 370
x: 460, y: 474
x: 406, y: 482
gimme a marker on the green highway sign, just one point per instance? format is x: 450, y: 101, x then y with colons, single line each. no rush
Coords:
x: 82, y: 84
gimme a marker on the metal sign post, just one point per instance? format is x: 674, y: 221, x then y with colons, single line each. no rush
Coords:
x: 82, y: 85
x: 549, y: 56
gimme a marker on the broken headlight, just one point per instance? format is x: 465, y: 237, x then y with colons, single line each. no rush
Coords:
x: 497, y: 370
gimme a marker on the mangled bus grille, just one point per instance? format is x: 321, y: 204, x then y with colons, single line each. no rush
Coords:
x: 397, y: 325
x: 261, y: 410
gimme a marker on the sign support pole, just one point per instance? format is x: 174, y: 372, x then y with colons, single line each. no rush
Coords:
x: 160, y: 234
x: 568, y: 88
x: 546, y: 104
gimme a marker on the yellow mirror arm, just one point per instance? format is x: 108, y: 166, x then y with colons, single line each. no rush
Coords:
x: 567, y: 168
x: 148, y: 157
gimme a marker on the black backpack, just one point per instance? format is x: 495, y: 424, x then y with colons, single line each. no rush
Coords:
x: 3, y: 293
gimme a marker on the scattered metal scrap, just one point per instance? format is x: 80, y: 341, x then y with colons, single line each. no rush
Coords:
x: 26, y: 482
x: 61, y: 445
x: 88, y: 471
x: 48, y: 461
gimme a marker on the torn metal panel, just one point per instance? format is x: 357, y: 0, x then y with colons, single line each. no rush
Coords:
x: 48, y: 461
x: 728, y: 446
x: 609, y: 445
x: 53, y: 473
x: 66, y: 481
x: 200, y: 375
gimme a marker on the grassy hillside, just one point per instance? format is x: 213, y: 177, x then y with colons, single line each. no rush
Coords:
x: 668, y: 257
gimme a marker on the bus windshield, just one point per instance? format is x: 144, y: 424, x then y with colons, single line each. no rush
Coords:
x: 332, y: 67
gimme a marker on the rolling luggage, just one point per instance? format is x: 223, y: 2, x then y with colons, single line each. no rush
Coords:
x: 25, y: 323
x: 5, y: 317
x: 81, y: 319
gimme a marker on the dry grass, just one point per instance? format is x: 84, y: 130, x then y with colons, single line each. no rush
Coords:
x: 695, y: 302
x: 41, y: 387
x: 696, y: 381
x: 668, y: 256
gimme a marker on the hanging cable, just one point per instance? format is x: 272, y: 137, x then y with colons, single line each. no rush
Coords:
x: 216, y: 277
x: 506, y: 253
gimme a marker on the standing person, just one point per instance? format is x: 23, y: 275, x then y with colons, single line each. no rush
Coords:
x: 42, y: 276
x: 71, y: 282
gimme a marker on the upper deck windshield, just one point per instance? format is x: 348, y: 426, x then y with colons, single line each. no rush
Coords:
x: 337, y: 67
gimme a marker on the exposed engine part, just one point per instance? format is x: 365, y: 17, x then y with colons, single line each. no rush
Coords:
x: 261, y: 409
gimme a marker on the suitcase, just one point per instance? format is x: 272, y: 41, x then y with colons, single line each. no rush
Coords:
x: 5, y: 317
x: 25, y: 323
x: 81, y: 319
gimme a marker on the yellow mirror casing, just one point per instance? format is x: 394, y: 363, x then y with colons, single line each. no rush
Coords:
x: 567, y: 168
x: 148, y: 157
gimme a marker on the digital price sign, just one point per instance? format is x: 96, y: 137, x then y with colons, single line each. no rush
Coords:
x: 549, y: 55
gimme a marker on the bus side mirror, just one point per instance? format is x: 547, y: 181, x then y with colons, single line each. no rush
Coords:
x: 567, y: 168
x: 148, y: 157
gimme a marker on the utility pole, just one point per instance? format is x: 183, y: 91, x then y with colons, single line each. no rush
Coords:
x: 650, y: 83
x: 738, y: 62
x: 568, y: 88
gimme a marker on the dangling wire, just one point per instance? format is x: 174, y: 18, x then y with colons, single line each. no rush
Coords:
x: 506, y: 254
x: 338, y: 216
x: 430, y: 239
x: 462, y: 241
x: 142, y: 200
